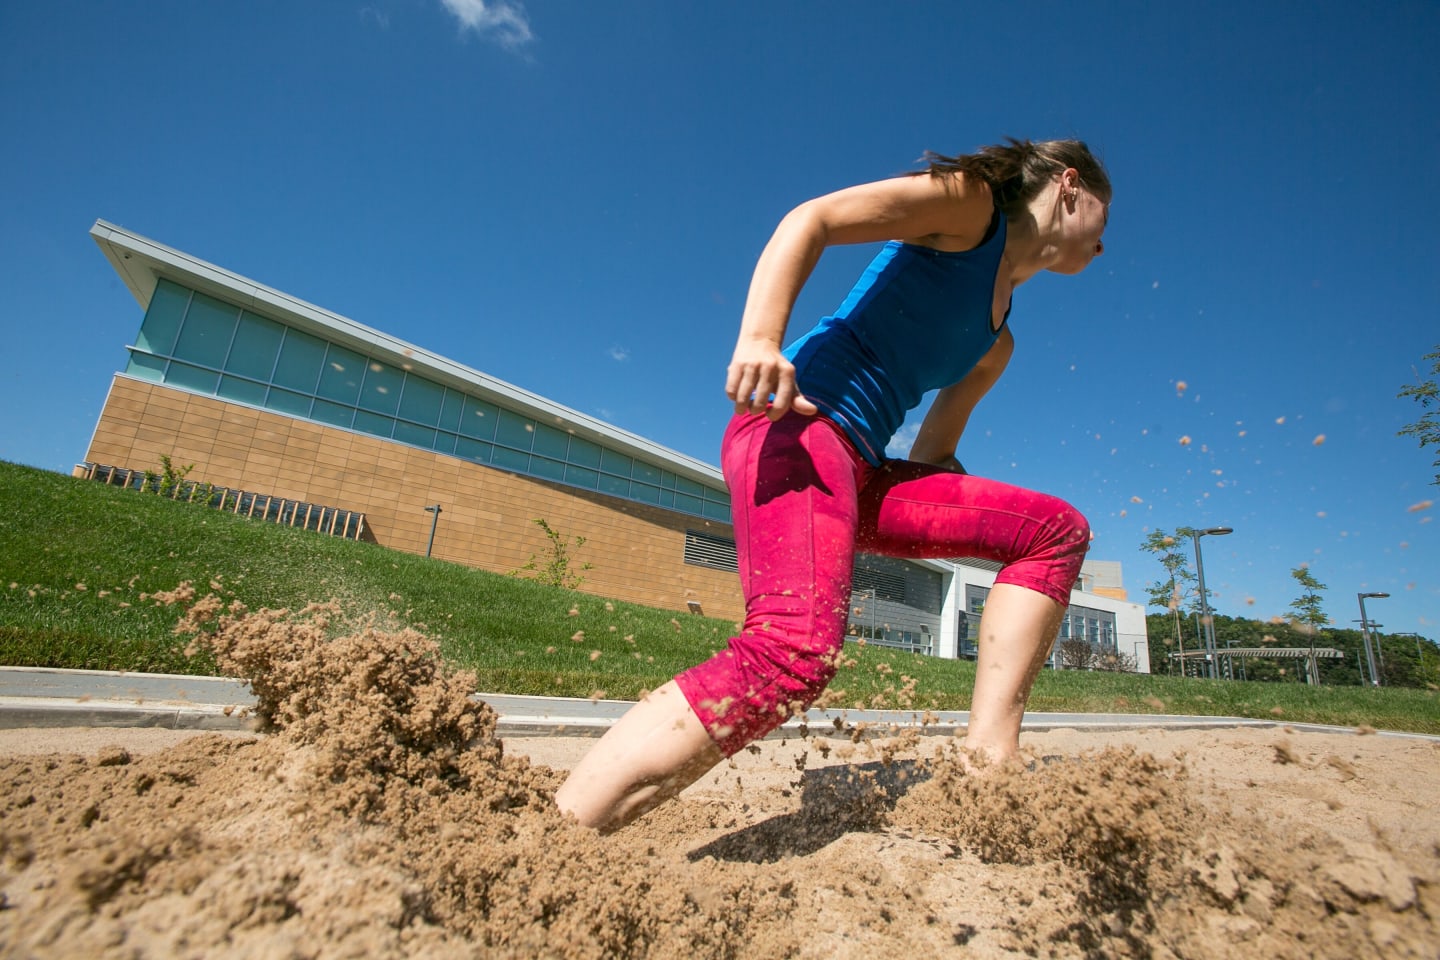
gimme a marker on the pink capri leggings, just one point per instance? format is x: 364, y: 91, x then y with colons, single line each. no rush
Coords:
x: 803, y: 501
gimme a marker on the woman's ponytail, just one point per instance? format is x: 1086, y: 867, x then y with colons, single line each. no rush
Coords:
x: 1018, y: 170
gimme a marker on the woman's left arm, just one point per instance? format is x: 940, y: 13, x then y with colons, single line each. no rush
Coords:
x: 950, y: 413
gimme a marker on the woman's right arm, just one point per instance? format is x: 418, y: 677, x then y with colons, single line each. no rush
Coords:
x: 950, y: 411
x: 948, y: 212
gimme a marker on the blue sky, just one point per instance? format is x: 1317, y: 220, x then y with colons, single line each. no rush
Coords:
x: 571, y: 196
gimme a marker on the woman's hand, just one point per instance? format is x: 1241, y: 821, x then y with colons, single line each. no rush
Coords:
x: 759, y: 370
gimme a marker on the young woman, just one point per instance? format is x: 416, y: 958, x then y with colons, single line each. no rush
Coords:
x: 809, y: 482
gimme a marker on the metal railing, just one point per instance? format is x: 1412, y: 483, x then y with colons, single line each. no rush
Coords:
x: 332, y: 521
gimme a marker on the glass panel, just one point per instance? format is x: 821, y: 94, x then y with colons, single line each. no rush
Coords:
x: 286, y: 401
x: 450, y: 413
x: 616, y: 463
x: 549, y: 469
x: 191, y: 378
x: 667, y: 479
x: 473, y: 449
x: 335, y: 414
x: 583, y: 452
x: 479, y: 419
x: 581, y: 477
x: 619, y: 486
x: 245, y: 391
x: 341, y: 376
x: 421, y: 400
x: 644, y: 493
x: 551, y: 442
x: 683, y: 501
x: 205, y: 336
x: 667, y: 498
x: 373, y: 423
x: 257, y: 343
x: 717, y: 511
x: 419, y: 436
x: 511, y: 459
x: 145, y: 366
x: 686, y: 485
x: 445, y: 443
x: 162, y: 319
x: 301, y: 357
x: 515, y: 431
x: 382, y: 388
x: 647, y: 473
x: 716, y: 496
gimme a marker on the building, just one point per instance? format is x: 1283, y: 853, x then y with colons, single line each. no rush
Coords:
x: 302, y: 408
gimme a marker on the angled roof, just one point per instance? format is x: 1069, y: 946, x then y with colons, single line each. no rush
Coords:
x: 142, y: 262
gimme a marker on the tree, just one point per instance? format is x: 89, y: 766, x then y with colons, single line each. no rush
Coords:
x: 555, y: 570
x: 1308, y: 616
x: 1172, y: 591
x: 1427, y: 394
x: 1076, y: 655
x: 1113, y: 661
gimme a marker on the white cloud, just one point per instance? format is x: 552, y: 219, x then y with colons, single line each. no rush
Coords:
x: 620, y: 353
x: 375, y: 15
x: 504, y: 21
x: 899, y: 445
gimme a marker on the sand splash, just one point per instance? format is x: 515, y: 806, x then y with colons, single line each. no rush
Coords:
x: 379, y: 816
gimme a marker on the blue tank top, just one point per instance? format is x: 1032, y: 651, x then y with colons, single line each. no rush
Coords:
x: 918, y: 319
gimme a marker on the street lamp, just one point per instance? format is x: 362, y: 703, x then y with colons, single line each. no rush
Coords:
x: 435, y: 519
x: 1206, y: 622
x: 1365, y: 632
x: 1416, y: 637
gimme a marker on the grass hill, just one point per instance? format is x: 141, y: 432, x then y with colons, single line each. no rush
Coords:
x: 78, y: 561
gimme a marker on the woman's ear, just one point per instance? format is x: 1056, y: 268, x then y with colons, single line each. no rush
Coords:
x: 1069, y: 187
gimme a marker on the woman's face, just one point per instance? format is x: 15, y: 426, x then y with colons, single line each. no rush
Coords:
x: 1083, y: 222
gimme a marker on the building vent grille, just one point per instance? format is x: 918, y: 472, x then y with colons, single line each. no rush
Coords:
x: 867, y: 581
x: 705, y: 550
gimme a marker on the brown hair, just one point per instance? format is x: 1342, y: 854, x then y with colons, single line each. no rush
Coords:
x: 1019, y: 169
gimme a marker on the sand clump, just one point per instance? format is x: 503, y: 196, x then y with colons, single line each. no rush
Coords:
x: 378, y: 818
x: 376, y: 814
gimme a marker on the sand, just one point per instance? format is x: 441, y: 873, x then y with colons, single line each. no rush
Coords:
x: 374, y: 813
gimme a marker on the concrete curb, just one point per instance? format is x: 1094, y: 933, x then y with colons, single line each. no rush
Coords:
x: 38, y: 697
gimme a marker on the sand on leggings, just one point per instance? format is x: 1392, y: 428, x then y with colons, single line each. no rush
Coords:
x: 375, y: 814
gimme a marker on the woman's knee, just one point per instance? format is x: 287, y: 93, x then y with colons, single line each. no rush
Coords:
x: 793, y: 668
x: 1070, y: 530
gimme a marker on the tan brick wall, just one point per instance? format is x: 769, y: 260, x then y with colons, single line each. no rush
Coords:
x: 486, y: 514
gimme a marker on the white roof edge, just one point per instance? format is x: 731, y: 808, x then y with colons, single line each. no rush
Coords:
x: 140, y: 262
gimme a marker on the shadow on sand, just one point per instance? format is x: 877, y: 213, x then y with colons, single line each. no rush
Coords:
x: 834, y: 801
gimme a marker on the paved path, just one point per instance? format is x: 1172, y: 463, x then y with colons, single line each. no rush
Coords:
x: 38, y: 697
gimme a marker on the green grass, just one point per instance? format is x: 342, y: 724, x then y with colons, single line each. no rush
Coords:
x: 76, y: 557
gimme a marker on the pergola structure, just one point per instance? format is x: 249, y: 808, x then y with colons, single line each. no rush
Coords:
x: 1308, y: 654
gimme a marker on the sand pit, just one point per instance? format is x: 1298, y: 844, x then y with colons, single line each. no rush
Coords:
x: 377, y: 815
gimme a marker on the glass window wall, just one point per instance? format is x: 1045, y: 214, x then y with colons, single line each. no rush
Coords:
x: 202, y: 344
x: 341, y: 375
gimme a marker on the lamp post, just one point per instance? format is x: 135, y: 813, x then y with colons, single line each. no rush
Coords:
x: 1206, y: 622
x: 1419, y: 658
x: 434, y: 511
x: 1365, y: 632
